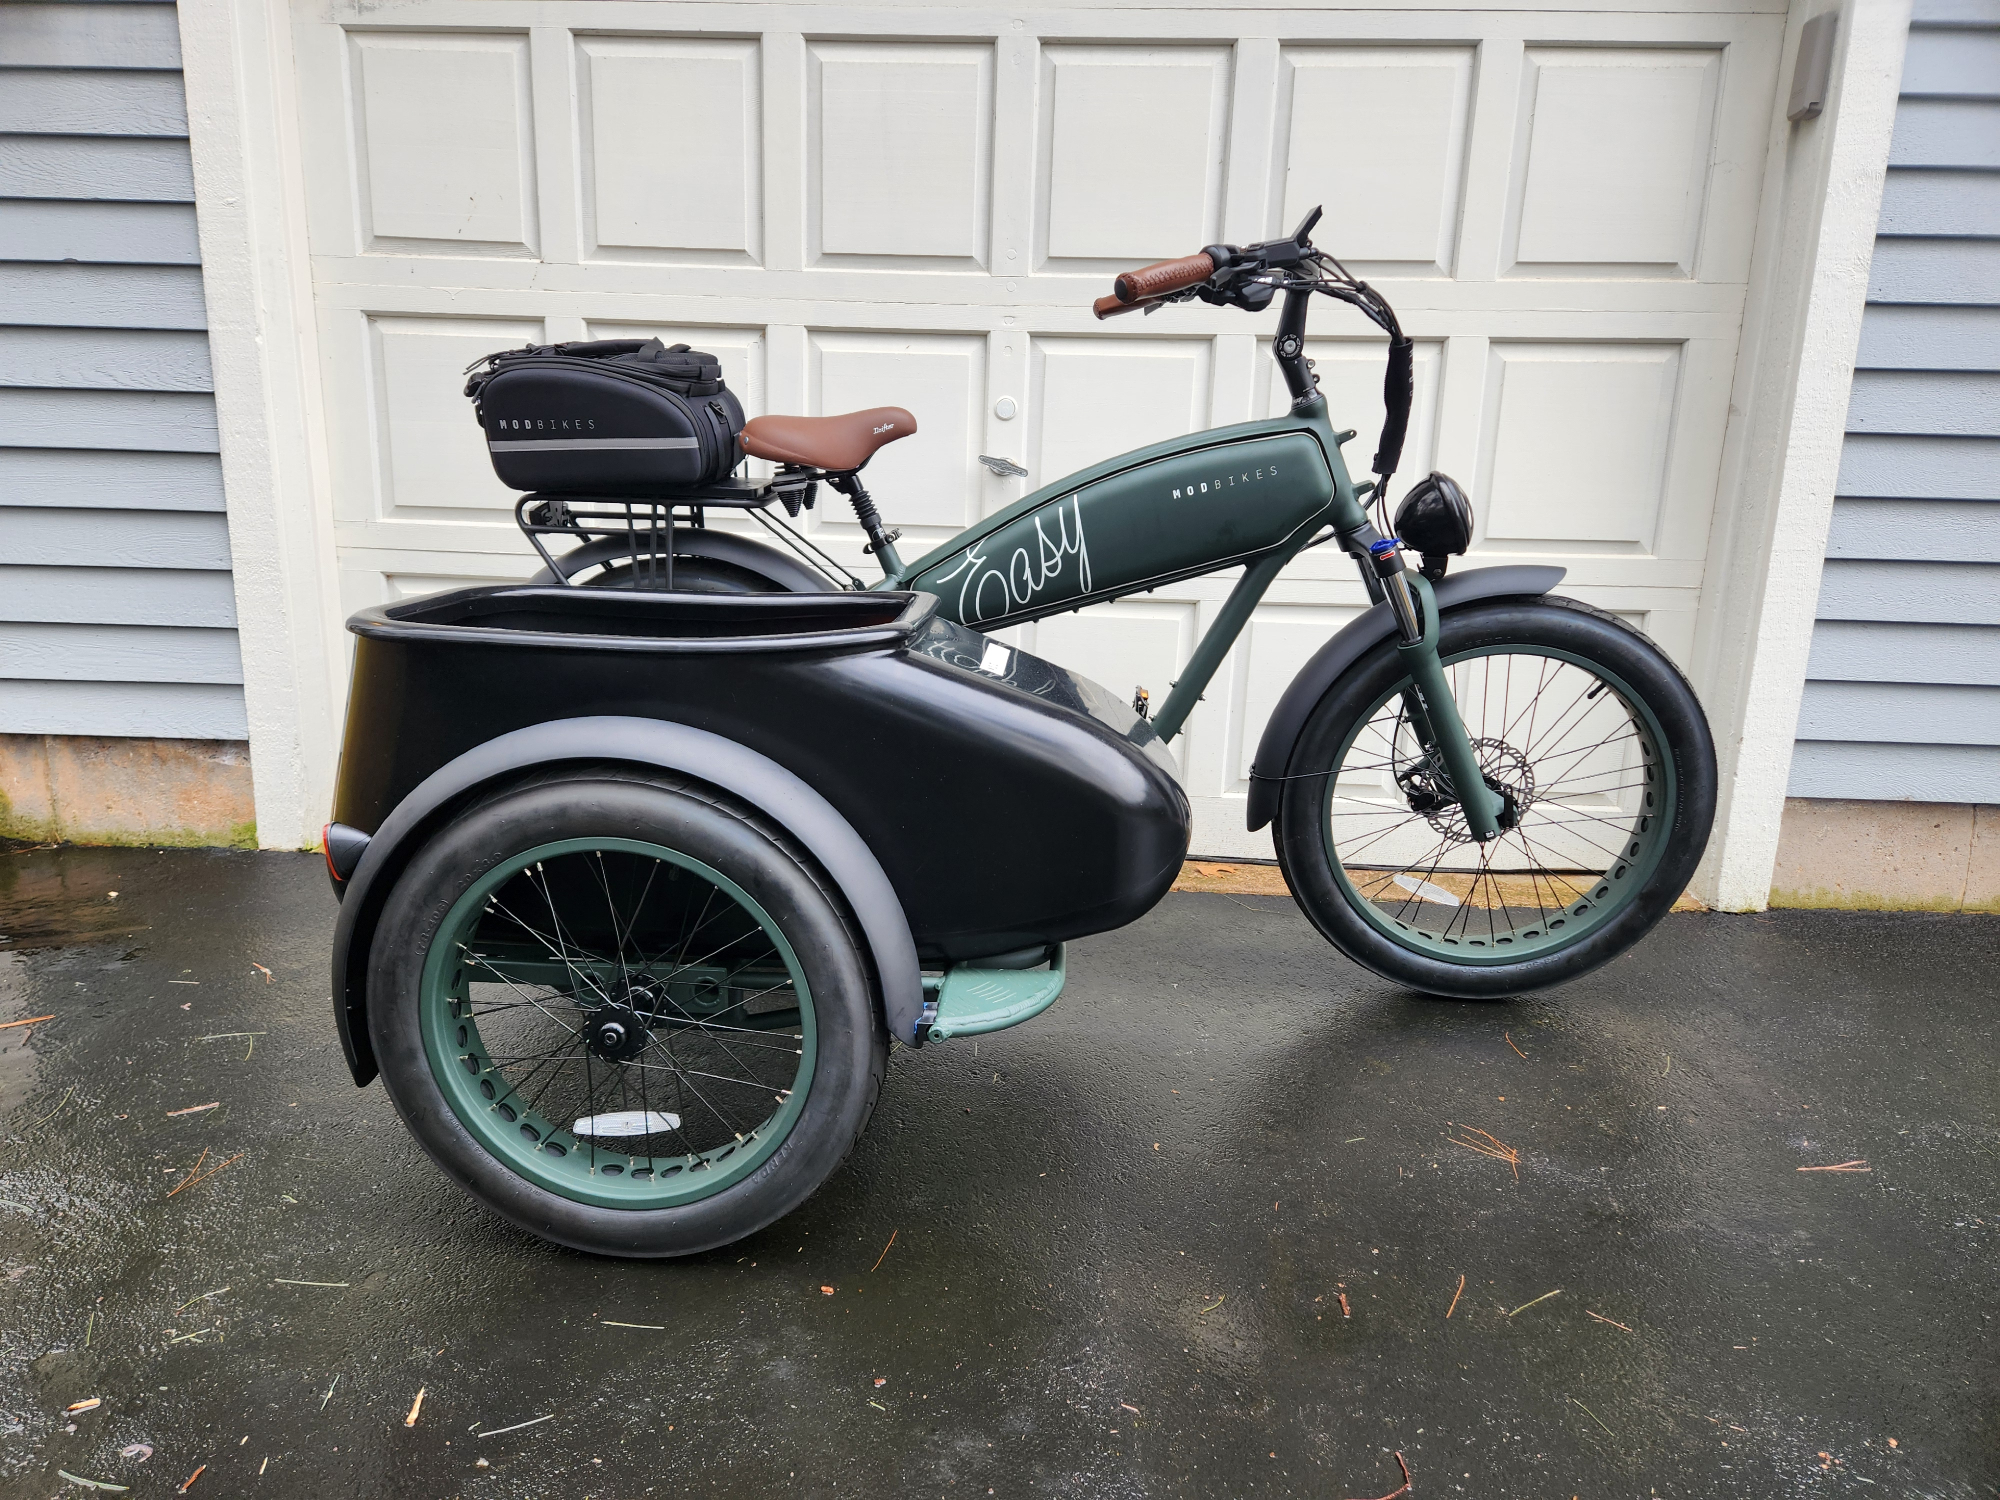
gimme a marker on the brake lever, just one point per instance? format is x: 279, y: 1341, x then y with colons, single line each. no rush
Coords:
x: 1251, y: 293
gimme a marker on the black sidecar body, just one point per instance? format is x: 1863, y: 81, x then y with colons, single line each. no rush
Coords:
x: 972, y: 805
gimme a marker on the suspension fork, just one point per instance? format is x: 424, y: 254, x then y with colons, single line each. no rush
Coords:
x: 1434, y: 711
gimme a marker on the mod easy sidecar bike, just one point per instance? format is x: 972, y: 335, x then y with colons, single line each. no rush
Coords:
x: 638, y: 889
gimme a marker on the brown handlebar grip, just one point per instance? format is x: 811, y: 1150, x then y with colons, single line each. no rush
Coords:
x: 1110, y: 307
x: 1164, y: 277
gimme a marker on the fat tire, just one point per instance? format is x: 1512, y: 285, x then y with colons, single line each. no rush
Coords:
x: 681, y: 814
x: 1552, y: 620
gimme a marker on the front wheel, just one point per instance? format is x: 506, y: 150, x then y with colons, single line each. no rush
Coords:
x: 1601, y: 754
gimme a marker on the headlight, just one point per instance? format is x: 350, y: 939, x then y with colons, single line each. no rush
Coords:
x: 1435, y: 519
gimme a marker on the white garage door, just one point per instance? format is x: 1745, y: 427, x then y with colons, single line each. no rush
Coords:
x: 915, y: 205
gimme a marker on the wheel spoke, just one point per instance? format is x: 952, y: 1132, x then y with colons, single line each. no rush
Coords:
x: 1567, y: 750
x: 526, y: 998
x: 607, y: 983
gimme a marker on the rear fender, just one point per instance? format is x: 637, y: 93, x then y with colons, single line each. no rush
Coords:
x: 1348, y: 646
x: 647, y: 743
x: 785, y: 572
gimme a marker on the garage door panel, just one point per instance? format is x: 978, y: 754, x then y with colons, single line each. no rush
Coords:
x: 899, y: 168
x: 1279, y: 640
x: 1133, y: 141
x: 1092, y: 398
x: 1576, y: 444
x: 372, y: 576
x: 927, y: 483
x: 1395, y: 206
x: 1350, y: 377
x: 469, y: 187
x: 1611, y: 174
x: 647, y: 198
x: 430, y: 454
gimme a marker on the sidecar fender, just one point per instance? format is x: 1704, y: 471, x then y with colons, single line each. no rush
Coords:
x: 1348, y: 646
x: 722, y: 763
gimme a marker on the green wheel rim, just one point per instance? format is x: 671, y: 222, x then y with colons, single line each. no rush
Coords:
x: 1589, y: 835
x: 717, y: 1035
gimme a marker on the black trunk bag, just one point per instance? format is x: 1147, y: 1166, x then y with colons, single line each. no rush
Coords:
x: 608, y: 417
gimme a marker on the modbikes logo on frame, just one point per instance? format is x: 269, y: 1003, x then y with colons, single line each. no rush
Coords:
x: 1225, y: 482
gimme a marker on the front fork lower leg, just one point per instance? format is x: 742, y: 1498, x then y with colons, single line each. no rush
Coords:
x: 1438, y: 724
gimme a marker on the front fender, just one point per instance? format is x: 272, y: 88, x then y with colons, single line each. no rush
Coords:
x: 722, y: 763
x: 1352, y: 642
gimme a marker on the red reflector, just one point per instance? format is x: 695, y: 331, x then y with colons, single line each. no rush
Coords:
x: 326, y: 849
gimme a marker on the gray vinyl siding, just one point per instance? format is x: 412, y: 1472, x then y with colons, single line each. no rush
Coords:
x: 1902, y: 694
x: 117, y: 609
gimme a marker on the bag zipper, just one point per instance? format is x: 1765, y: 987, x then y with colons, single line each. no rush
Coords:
x: 497, y: 362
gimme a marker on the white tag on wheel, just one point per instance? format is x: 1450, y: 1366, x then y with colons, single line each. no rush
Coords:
x: 1423, y: 890
x: 997, y: 659
x: 626, y: 1122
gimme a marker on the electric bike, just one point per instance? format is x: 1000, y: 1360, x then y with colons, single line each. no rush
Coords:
x: 1478, y: 788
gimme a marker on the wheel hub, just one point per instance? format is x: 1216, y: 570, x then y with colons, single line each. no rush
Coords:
x: 617, y: 1033
x: 1426, y: 786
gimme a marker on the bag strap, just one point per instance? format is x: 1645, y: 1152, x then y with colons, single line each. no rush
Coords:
x: 602, y: 348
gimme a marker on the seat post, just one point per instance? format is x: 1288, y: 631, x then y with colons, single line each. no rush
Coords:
x: 881, y: 542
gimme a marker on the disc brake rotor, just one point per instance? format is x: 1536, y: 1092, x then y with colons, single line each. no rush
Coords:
x: 1426, y: 785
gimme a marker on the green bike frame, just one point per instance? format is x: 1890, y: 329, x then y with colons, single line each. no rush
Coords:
x: 1255, y: 494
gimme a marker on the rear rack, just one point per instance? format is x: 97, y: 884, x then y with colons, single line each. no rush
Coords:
x: 647, y: 522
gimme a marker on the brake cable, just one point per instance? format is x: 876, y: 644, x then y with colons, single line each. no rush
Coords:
x: 1397, y: 380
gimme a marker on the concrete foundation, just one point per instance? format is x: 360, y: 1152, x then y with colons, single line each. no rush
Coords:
x: 1888, y: 856
x: 87, y: 789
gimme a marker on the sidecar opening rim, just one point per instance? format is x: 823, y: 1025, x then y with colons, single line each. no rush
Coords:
x: 1571, y: 922
x: 554, y: 1157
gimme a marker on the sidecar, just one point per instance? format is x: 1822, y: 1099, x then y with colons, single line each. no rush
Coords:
x: 638, y: 888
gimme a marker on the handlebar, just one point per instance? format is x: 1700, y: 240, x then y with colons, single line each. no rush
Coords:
x: 1248, y: 277
x: 1237, y: 276
x: 1165, y: 276
x: 1137, y: 289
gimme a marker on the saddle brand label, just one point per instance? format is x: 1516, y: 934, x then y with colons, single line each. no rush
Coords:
x: 1168, y: 518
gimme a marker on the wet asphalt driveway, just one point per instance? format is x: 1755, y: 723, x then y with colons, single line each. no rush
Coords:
x: 1199, y: 1230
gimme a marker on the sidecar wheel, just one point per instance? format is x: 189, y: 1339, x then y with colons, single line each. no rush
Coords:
x: 625, y: 1012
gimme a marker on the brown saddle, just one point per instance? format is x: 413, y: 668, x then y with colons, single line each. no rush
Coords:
x: 836, y: 444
